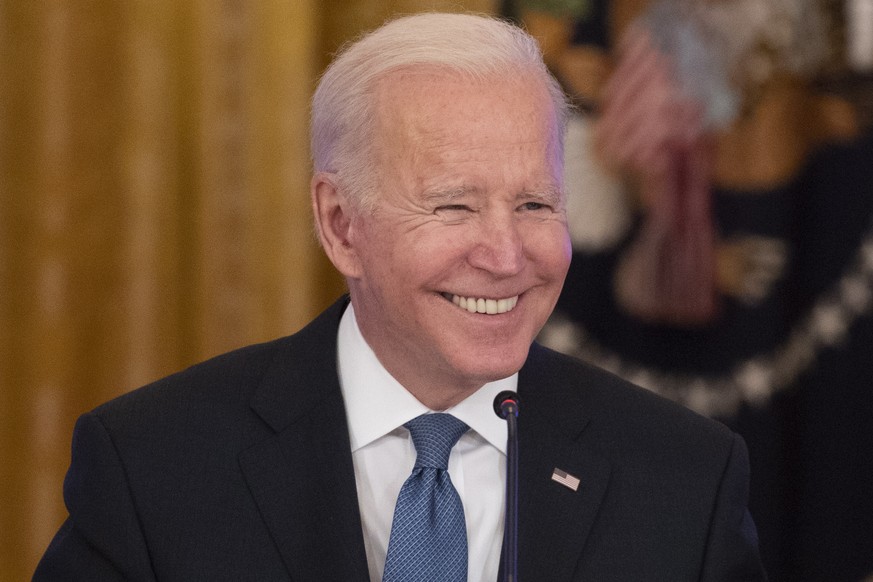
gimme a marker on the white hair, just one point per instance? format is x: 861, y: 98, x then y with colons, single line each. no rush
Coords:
x: 343, y: 107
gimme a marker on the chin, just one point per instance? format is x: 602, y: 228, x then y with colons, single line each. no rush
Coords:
x: 486, y: 368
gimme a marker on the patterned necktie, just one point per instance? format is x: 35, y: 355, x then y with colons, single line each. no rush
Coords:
x: 428, y: 536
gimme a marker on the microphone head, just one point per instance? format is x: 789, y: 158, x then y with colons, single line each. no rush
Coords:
x: 506, y: 403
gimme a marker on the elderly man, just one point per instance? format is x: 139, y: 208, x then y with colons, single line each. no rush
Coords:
x: 365, y: 446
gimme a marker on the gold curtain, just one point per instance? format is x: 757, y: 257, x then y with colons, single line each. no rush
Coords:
x: 154, y: 208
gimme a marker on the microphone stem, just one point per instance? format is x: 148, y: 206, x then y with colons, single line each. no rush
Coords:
x: 510, y: 531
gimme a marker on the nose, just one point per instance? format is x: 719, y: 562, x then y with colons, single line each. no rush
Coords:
x: 499, y: 247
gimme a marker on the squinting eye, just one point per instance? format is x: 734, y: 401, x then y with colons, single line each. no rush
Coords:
x: 452, y: 207
x: 533, y: 206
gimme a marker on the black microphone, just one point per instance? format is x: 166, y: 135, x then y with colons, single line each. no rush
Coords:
x: 506, y: 407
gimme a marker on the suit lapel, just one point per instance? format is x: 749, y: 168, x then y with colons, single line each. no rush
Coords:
x: 302, y: 477
x: 554, y: 520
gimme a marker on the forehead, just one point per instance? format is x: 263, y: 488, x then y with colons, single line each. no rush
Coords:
x: 432, y: 108
x: 425, y: 92
x: 440, y: 135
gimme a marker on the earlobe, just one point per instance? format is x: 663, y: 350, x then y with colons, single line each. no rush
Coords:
x: 333, y: 222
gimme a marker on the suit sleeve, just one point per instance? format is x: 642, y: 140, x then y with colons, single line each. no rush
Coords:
x: 732, y: 546
x: 102, y: 538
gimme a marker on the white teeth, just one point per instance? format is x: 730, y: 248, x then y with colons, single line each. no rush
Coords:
x: 480, y: 305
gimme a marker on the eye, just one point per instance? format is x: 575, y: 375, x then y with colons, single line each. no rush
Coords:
x: 453, y: 208
x: 533, y: 206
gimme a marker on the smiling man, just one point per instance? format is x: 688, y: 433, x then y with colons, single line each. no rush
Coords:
x: 365, y: 446
x: 458, y: 261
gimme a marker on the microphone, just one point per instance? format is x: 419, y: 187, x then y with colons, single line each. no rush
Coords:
x: 506, y: 407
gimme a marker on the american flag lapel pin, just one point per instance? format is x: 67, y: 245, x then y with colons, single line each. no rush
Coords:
x: 566, y: 479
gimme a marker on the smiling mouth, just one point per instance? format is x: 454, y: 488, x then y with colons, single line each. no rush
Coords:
x: 480, y: 305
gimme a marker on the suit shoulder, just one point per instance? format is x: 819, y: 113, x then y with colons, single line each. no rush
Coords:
x: 612, y: 401
x: 223, y: 380
x: 220, y: 390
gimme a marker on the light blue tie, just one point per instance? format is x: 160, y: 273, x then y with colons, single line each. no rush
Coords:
x: 428, y: 536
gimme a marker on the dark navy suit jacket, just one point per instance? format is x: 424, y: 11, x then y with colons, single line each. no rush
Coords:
x: 240, y: 469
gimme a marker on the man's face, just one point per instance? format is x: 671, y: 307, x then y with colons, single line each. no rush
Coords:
x: 469, y: 213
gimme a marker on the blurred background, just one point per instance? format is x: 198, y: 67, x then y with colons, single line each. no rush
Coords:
x: 154, y: 211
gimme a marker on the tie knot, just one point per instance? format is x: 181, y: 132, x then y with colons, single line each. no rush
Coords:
x: 434, y: 436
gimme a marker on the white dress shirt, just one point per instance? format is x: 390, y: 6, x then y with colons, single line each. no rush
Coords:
x: 377, y: 406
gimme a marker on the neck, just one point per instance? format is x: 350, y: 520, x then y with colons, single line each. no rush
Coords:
x: 440, y: 399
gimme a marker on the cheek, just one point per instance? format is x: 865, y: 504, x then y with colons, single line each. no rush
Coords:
x: 439, y: 247
x: 399, y: 263
x: 551, y: 248
x: 566, y: 251
x: 377, y: 245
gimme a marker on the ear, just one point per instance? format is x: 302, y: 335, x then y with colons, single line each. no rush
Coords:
x: 333, y: 216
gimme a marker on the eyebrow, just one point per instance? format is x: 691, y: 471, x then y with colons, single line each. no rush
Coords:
x: 448, y: 194
x: 551, y: 194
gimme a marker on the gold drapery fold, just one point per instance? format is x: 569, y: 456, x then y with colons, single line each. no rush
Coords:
x: 154, y: 173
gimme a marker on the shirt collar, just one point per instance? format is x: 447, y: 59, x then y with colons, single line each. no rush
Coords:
x: 377, y: 404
